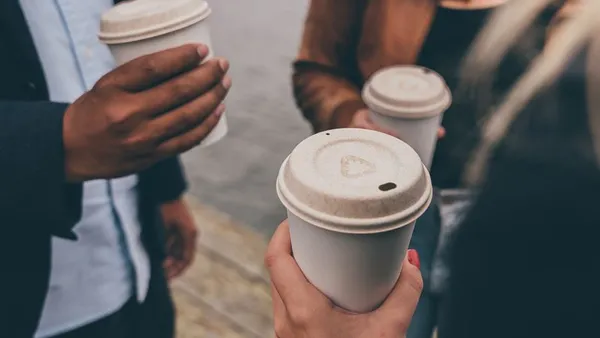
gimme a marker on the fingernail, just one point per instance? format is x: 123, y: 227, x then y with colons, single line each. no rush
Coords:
x: 226, y: 82
x: 413, y: 258
x: 220, y: 110
x: 224, y: 64
x: 202, y: 51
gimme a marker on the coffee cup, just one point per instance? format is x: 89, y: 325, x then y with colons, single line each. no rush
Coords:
x: 352, y: 199
x: 135, y: 28
x: 410, y: 101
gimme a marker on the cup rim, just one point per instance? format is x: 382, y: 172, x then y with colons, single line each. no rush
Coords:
x: 416, y: 112
x: 156, y: 30
x: 353, y: 225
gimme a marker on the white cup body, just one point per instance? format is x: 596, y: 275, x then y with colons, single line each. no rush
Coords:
x: 196, y: 33
x: 420, y: 134
x: 353, y: 197
x: 356, y: 271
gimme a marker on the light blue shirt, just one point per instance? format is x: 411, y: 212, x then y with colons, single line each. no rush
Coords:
x: 97, y: 274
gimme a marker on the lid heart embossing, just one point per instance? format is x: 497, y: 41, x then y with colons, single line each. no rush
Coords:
x: 355, y: 167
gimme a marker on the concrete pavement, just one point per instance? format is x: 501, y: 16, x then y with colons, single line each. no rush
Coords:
x: 237, y: 175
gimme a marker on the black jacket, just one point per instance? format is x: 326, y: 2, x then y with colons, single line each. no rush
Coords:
x: 525, y: 260
x: 35, y: 201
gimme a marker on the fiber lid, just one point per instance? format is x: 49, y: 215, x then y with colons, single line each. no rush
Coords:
x: 354, y: 180
x: 142, y: 19
x: 407, y: 92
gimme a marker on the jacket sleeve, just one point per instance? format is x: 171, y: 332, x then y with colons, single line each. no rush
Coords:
x: 33, y: 187
x: 326, y: 78
x: 165, y: 181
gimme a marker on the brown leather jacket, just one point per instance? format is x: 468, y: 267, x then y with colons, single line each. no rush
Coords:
x: 344, y: 43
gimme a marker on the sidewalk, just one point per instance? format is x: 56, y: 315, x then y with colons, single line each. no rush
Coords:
x: 226, y: 293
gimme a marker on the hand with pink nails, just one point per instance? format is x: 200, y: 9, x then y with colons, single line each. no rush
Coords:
x: 301, y: 311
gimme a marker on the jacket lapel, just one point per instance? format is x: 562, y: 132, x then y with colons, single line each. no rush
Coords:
x: 16, y: 32
x: 16, y: 41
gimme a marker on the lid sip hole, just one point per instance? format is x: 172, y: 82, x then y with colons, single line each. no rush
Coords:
x: 388, y: 186
x: 327, y: 134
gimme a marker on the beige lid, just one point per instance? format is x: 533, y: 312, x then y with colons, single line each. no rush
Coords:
x: 354, y: 180
x: 142, y: 19
x: 407, y: 92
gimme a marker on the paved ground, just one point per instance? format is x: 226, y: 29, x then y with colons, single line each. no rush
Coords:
x: 237, y: 175
x: 226, y: 292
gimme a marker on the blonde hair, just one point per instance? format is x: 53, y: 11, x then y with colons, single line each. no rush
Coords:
x: 495, y: 41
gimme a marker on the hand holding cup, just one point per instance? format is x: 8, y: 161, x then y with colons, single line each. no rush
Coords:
x: 411, y: 101
x: 146, y: 110
x: 362, y: 120
x: 135, y: 28
x: 352, y: 198
x: 301, y: 311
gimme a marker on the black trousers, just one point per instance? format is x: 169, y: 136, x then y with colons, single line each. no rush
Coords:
x: 155, y: 318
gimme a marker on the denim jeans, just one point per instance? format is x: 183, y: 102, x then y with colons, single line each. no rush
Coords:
x: 432, y: 238
x: 425, y: 240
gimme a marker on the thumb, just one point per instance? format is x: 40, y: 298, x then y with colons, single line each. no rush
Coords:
x: 400, y: 305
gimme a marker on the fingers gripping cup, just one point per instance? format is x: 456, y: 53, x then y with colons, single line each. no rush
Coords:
x: 410, y: 101
x: 353, y: 197
x: 136, y: 28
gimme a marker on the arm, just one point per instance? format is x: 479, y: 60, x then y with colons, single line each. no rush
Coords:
x: 326, y: 77
x: 33, y: 188
x: 128, y: 132
x: 160, y: 190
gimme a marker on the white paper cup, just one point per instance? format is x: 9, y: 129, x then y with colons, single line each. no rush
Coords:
x: 353, y: 197
x: 410, y: 101
x: 136, y: 28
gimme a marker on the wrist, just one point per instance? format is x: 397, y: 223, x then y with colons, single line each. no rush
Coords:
x: 342, y: 116
x: 72, y: 175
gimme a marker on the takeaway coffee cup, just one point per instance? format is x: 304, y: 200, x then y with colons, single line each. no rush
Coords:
x: 135, y: 28
x: 410, y: 101
x: 353, y: 197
